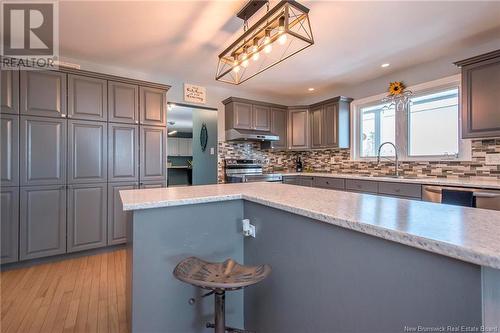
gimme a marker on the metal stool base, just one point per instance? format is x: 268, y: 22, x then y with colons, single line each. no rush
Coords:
x: 220, y: 315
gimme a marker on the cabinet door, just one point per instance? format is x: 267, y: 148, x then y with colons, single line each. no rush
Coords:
x: 145, y: 185
x: 43, y: 93
x: 87, y: 216
x: 123, y: 152
x: 10, y: 92
x: 9, y: 149
x: 117, y: 218
x: 9, y: 224
x: 153, y: 104
x: 87, y: 160
x: 279, y: 122
x: 317, y: 127
x: 152, y: 165
x: 481, y: 99
x: 42, y: 221
x: 87, y: 98
x: 172, y: 146
x: 298, y: 126
x: 123, y: 102
x: 242, y: 115
x: 331, y: 126
x: 43, y: 151
x: 306, y: 181
x: 261, y: 118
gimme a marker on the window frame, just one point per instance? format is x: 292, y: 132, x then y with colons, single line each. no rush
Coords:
x: 402, y: 129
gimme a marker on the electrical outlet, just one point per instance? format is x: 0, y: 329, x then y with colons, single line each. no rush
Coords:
x: 212, y: 150
x: 248, y: 229
x: 493, y: 159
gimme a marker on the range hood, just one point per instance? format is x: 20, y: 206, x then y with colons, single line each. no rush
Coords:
x: 250, y: 135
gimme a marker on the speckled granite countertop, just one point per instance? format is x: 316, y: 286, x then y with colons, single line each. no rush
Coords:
x: 461, y: 182
x: 468, y: 234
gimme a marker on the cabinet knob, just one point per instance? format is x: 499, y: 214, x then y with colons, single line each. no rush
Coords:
x: 63, y: 116
x: 137, y: 121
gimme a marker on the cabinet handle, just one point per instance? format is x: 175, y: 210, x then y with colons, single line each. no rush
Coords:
x: 397, y: 190
x: 63, y: 116
x: 137, y: 121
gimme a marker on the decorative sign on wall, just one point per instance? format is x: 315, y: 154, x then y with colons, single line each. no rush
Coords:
x: 195, y: 94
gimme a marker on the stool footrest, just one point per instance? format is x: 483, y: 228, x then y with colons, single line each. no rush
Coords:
x: 230, y: 329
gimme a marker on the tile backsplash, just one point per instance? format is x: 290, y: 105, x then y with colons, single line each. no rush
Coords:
x: 338, y: 161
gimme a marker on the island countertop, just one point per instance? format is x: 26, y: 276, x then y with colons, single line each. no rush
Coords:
x: 468, y: 234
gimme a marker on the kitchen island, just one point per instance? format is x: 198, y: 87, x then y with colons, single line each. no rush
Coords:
x: 342, y: 262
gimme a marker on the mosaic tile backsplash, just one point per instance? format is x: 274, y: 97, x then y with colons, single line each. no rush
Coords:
x: 338, y: 161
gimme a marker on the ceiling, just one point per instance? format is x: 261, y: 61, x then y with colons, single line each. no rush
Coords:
x: 181, y: 39
x: 182, y: 118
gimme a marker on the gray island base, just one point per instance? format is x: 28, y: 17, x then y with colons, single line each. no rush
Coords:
x: 325, y: 278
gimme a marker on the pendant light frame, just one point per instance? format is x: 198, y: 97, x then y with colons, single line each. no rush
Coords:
x: 299, y: 27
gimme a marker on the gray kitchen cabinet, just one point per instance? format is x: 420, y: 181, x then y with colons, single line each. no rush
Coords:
x: 261, y: 117
x: 240, y: 115
x: 144, y: 185
x: 42, y: 227
x: 87, y: 216
x: 43, y: 93
x: 42, y: 151
x: 364, y: 186
x: 153, y: 106
x: 279, y: 126
x: 292, y: 180
x: 329, y: 183
x: 9, y: 149
x: 298, y: 129
x: 87, y: 98
x: 400, y: 190
x: 9, y: 92
x: 9, y: 224
x: 87, y: 152
x: 331, y: 125
x: 152, y: 154
x: 123, y: 102
x: 123, y: 152
x: 480, y: 96
x: 306, y: 181
x: 317, y: 127
x: 117, y: 218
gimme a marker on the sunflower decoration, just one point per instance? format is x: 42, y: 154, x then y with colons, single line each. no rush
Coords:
x: 396, y: 88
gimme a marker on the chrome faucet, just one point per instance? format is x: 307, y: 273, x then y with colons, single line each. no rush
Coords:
x: 396, y: 162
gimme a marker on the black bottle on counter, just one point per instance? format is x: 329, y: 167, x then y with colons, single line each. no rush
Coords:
x: 298, y: 165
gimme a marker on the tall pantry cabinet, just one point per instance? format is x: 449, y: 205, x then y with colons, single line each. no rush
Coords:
x: 70, y: 141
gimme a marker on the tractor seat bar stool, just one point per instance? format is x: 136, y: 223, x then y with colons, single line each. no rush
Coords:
x: 219, y: 278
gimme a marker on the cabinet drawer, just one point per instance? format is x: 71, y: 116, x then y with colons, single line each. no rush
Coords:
x: 367, y: 186
x: 400, y: 189
x: 306, y: 181
x: 327, y: 182
x: 290, y: 180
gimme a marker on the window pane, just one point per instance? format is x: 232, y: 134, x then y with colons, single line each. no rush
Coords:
x: 433, y: 124
x: 377, y: 126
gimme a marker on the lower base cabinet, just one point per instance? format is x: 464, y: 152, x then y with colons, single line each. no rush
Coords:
x: 152, y: 185
x: 87, y: 216
x: 9, y: 224
x: 117, y: 218
x: 42, y: 221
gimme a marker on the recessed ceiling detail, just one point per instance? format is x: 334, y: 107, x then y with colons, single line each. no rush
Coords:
x: 280, y: 33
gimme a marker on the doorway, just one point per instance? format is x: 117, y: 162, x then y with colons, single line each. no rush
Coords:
x: 191, y: 145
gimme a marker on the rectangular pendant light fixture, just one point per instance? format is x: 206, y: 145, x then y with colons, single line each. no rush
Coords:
x: 280, y: 33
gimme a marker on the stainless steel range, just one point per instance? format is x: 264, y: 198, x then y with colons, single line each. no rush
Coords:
x: 246, y: 171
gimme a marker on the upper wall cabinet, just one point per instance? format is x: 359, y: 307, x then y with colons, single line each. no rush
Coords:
x: 123, y: 103
x: 247, y: 115
x: 9, y: 149
x: 330, y: 123
x: 298, y: 128
x: 43, y: 93
x: 10, y: 92
x: 279, y: 126
x: 43, y: 151
x: 481, y: 96
x: 87, y: 98
x: 153, y: 106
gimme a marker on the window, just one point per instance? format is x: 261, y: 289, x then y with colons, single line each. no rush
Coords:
x: 433, y: 124
x: 428, y: 130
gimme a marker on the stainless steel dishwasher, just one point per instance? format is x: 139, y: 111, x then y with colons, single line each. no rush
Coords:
x: 486, y: 199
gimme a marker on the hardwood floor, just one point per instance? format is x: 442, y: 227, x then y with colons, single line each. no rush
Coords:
x: 85, y: 294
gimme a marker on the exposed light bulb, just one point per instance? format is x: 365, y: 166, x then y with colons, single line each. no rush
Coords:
x: 244, y: 57
x: 282, y: 39
x: 256, y: 55
x: 236, y: 65
x: 268, y: 48
x: 236, y: 69
x: 255, y: 49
